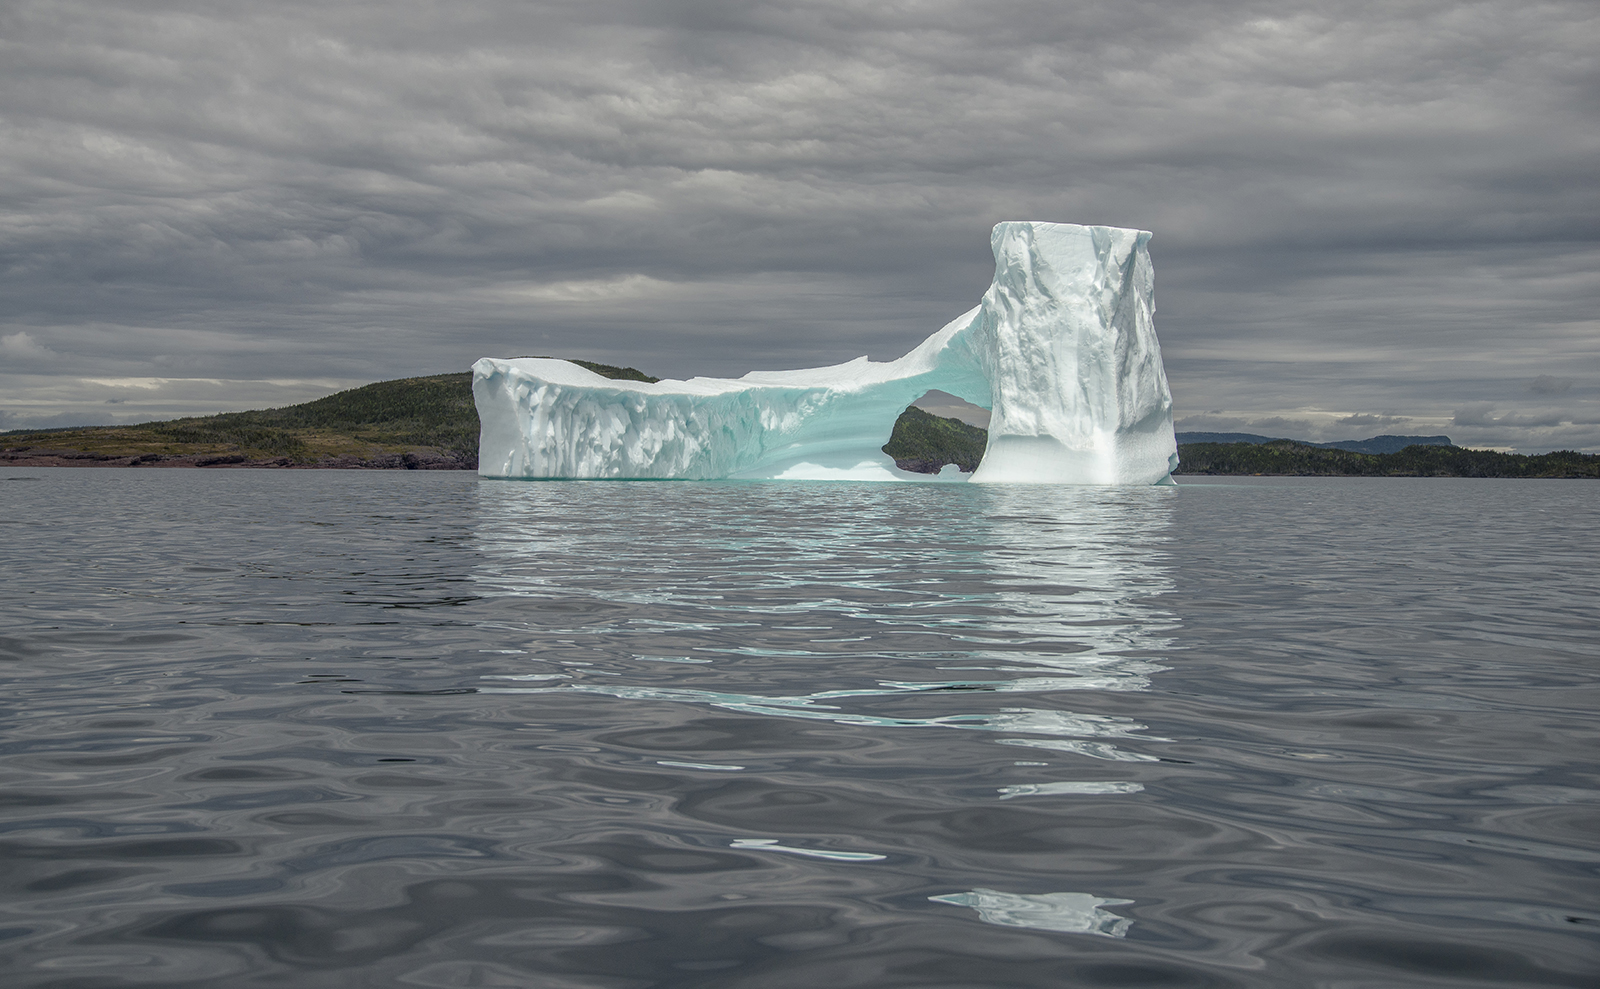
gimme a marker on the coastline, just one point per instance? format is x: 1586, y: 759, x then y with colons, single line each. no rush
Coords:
x: 422, y: 460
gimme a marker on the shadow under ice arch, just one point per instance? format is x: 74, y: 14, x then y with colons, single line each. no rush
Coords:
x: 1062, y: 350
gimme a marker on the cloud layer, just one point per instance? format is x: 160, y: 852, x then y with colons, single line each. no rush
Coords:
x: 1368, y: 217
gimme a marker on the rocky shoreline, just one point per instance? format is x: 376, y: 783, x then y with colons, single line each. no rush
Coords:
x: 35, y: 457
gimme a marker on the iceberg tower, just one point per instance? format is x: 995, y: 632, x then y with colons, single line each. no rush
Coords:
x: 1062, y: 349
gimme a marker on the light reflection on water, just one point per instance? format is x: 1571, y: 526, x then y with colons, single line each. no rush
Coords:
x: 1069, y: 913
x: 339, y: 729
x: 1051, y: 579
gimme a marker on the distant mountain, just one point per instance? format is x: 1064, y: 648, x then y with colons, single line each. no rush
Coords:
x: 1225, y: 438
x: 1378, y: 444
x: 1385, y: 444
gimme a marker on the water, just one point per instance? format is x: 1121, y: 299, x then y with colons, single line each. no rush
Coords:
x: 336, y: 729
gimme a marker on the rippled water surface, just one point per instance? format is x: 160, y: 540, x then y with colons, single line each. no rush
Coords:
x: 338, y: 729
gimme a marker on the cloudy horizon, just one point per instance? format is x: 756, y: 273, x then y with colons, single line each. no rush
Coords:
x: 1369, y: 218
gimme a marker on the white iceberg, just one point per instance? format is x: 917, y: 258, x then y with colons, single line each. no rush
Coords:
x: 1062, y: 349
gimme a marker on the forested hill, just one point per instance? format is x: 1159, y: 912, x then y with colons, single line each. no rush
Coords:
x: 413, y: 422
x: 925, y: 443
x: 430, y: 423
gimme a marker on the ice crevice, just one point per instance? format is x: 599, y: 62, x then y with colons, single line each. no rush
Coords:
x: 1062, y: 350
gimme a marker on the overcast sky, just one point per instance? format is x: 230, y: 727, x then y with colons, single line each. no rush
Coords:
x: 1369, y: 217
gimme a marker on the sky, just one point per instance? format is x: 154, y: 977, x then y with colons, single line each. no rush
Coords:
x: 1369, y: 217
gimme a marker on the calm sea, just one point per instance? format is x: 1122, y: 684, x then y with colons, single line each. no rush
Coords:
x: 346, y: 729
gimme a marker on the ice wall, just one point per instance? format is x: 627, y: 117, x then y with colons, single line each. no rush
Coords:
x: 1062, y: 349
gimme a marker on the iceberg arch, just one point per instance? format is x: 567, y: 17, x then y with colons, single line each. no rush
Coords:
x: 1062, y: 350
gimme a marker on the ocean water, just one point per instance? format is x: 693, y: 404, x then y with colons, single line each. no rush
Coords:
x: 346, y: 729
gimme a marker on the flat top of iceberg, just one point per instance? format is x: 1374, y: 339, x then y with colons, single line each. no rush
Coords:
x: 863, y: 372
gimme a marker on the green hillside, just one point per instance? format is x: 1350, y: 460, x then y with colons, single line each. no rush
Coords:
x: 923, y: 442
x: 429, y: 418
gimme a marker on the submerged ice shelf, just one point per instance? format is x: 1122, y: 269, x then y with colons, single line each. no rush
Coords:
x: 1062, y: 349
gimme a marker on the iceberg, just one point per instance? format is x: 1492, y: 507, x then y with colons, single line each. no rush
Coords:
x: 1062, y: 350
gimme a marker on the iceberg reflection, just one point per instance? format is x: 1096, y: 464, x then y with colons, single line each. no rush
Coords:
x: 840, y: 604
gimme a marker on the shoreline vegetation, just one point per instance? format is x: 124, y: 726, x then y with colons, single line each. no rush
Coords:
x: 431, y: 423
x: 1287, y: 458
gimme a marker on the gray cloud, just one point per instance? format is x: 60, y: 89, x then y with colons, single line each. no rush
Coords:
x: 1483, y: 414
x: 1278, y: 426
x: 1548, y: 429
x: 22, y: 348
x: 1547, y: 384
x: 1362, y: 420
x: 1356, y: 206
